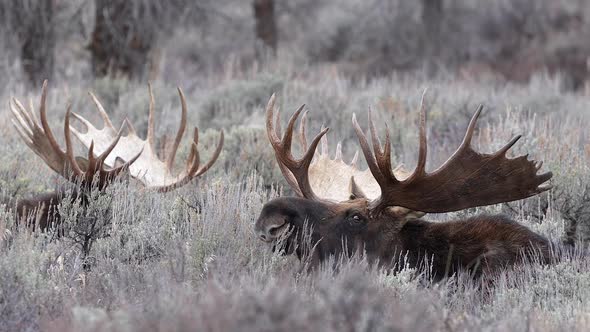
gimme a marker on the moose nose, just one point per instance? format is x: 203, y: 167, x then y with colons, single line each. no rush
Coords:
x: 264, y: 235
x: 270, y: 232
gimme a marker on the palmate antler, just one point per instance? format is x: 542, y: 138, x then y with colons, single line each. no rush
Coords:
x: 327, y: 178
x: 148, y: 168
x: 295, y: 171
x: 467, y: 179
x: 116, y: 152
x: 39, y: 137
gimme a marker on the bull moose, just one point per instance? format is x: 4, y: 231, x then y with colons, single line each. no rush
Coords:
x: 378, y: 211
x: 109, y: 154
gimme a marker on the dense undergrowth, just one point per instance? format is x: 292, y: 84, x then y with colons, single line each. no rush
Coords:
x: 189, y: 260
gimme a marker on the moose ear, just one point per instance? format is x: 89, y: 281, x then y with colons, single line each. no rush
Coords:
x: 354, y: 190
x: 119, y: 162
x: 403, y: 215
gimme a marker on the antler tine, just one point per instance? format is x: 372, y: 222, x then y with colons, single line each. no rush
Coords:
x: 151, y: 125
x: 83, y: 121
x: 270, y: 126
x: 324, y: 141
x: 355, y: 158
x: 423, y: 149
x: 382, y: 157
x: 32, y: 110
x: 385, y: 162
x: 130, y: 127
x: 294, y: 170
x: 69, y: 148
x: 44, y: 123
x: 193, y: 168
x: 355, y: 189
x: 338, y: 156
x: 196, y: 162
x: 471, y: 128
x: 301, y: 173
x: 423, y: 143
x: 466, y: 143
x: 110, y: 148
x: 193, y: 152
x: 302, y: 136
x: 213, y: 158
x: 21, y: 125
x: 374, y: 137
x: 180, y: 133
x: 367, y: 152
x: 101, y: 111
x: 509, y: 145
x: 21, y: 113
x: 287, y: 140
x: 23, y: 135
x: 117, y: 170
x: 93, y: 166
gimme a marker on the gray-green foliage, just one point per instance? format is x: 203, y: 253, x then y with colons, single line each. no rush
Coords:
x: 189, y: 260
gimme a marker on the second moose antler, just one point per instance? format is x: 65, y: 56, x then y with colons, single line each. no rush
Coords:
x: 109, y: 153
x: 148, y: 168
x: 39, y: 138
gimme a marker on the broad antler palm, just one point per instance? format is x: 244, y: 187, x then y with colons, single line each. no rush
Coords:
x: 116, y: 152
x: 467, y: 179
x: 149, y: 169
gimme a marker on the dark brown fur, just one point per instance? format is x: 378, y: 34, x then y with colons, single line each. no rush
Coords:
x: 482, y: 244
x: 42, y: 211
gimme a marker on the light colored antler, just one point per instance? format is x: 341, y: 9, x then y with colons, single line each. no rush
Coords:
x: 327, y: 178
x: 148, y: 168
x: 39, y: 137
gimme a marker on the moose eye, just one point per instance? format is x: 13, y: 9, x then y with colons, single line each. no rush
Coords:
x: 356, y: 219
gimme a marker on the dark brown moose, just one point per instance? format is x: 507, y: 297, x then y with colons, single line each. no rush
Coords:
x: 343, y: 210
x: 109, y: 154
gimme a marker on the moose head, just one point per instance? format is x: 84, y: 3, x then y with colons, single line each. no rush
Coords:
x: 379, y: 210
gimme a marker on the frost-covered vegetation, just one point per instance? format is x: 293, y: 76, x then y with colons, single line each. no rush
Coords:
x: 189, y: 261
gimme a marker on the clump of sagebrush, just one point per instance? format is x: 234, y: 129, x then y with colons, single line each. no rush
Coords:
x: 353, y: 296
x: 351, y: 299
x: 86, y: 218
x: 233, y: 102
x: 245, y: 150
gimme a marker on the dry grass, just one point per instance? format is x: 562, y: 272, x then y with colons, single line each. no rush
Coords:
x: 167, y: 266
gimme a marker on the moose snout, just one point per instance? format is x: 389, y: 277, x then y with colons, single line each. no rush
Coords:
x: 269, y: 230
